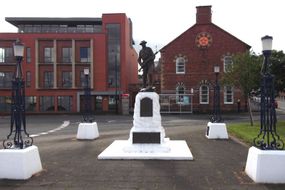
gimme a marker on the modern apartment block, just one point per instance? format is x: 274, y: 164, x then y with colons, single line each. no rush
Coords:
x: 57, y: 50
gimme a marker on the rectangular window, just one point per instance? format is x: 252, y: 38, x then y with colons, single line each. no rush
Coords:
x: 66, y: 79
x: 48, y: 55
x: 204, y: 94
x: 228, y: 63
x: 46, y: 103
x: 28, y: 55
x: 5, y: 103
x: 2, y: 55
x: 48, y: 79
x: 6, y: 79
x: 85, y: 55
x: 114, y: 49
x: 28, y: 79
x: 112, y: 103
x: 228, y: 95
x: 64, y: 103
x: 6, y: 55
x: 31, y: 102
x: 66, y: 55
x: 180, y: 65
x: 180, y: 90
x: 82, y: 79
x: 180, y: 68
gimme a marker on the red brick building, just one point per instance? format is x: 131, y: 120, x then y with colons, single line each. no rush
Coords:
x: 57, y: 50
x: 187, y: 63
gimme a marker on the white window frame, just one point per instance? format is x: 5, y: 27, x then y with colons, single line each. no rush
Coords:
x: 228, y: 62
x: 84, y: 59
x: 66, y: 55
x: 180, y: 64
x: 227, y: 93
x: 48, y: 55
x: 180, y: 96
x: 200, y: 94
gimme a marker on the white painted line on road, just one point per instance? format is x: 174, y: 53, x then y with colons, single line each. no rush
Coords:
x: 65, y: 124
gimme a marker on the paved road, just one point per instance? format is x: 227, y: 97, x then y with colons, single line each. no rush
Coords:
x: 72, y: 164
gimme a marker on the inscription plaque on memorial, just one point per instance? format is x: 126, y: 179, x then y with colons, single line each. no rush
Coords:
x: 146, y: 107
x: 146, y: 137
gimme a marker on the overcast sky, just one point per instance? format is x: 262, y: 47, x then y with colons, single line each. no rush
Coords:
x: 161, y: 21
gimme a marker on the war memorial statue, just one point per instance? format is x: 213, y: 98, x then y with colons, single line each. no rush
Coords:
x: 146, y: 61
x: 147, y: 138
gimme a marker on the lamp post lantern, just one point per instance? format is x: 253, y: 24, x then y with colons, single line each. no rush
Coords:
x: 87, y: 98
x: 216, y: 117
x: 18, y: 118
x: 267, y: 139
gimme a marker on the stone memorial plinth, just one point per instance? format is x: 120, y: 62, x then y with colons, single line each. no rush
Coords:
x: 147, y: 136
x: 147, y: 126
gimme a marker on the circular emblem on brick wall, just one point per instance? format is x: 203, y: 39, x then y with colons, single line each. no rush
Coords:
x: 203, y: 40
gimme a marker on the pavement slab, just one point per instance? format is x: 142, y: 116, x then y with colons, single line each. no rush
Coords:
x: 69, y: 163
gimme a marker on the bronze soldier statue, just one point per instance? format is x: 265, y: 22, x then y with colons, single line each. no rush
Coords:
x: 146, y: 61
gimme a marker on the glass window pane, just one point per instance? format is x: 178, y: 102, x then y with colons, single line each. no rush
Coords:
x: 64, y: 103
x: 228, y: 95
x: 2, y: 55
x: 6, y: 55
x: 5, y: 103
x: 28, y: 55
x: 85, y: 55
x: 31, y: 103
x: 28, y: 79
x: 66, y: 79
x: 46, y: 103
x: 66, y: 55
x: 180, y: 65
x: 204, y: 94
x: 6, y: 79
x: 48, y: 79
x: 114, y: 38
x: 180, y: 90
x: 48, y: 55
x: 82, y: 79
x: 228, y: 63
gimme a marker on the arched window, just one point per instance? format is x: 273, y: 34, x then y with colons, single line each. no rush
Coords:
x: 180, y: 91
x: 180, y: 65
x: 228, y: 63
x: 204, y: 94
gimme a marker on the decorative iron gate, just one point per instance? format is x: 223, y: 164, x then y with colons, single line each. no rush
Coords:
x: 176, y: 103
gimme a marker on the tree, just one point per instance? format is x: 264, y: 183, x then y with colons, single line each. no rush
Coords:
x: 277, y: 66
x: 244, y: 74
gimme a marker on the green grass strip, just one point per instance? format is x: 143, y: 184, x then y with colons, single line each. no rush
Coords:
x: 247, y: 133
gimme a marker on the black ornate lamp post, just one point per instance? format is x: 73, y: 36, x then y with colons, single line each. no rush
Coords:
x: 267, y: 139
x: 18, y: 118
x: 216, y: 117
x: 87, y: 98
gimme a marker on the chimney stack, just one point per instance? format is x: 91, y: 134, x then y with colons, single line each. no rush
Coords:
x: 204, y: 15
